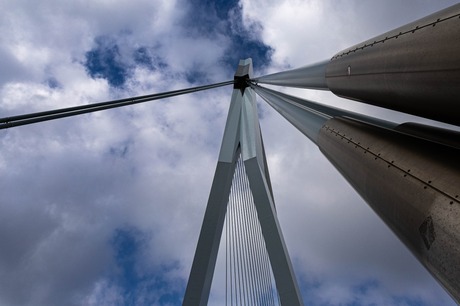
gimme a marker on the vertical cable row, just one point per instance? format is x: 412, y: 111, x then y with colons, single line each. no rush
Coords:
x: 249, y: 277
x: 249, y: 238
x: 238, y: 227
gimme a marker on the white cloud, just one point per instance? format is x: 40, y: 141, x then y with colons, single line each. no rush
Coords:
x: 66, y: 186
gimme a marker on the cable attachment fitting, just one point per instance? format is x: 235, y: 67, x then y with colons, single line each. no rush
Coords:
x: 241, y: 82
x: 243, y: 75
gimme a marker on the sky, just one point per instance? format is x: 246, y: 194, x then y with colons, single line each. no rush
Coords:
x: 106, y: 208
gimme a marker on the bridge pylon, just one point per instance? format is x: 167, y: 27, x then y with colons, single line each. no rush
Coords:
x: 242, y: 139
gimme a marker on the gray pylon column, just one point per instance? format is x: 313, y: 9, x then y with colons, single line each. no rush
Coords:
x: 242, y: 134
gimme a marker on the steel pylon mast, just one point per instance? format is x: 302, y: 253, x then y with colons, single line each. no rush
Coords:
x: 241, y: 136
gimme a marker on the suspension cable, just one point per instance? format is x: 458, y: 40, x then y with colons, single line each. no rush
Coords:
x: 19, y: 120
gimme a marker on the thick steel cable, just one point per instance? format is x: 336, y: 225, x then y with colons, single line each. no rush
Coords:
x: 19, y: 120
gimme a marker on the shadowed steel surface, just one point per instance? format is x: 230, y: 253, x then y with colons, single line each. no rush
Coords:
x: 410, y: 181
x: 414, y: 69
x: 412, y: 184
x: 432, y: 133
x: 241, y: 136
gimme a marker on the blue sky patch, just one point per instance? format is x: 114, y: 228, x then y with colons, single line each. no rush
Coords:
x: 222, y: 7
x: 244, y: 48
x: 141, y: 287
x: 104, y: 61
x: 126, y: 244
x: 221, y: 17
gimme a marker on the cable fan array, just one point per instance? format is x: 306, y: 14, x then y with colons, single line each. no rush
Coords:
x: 249, y: 278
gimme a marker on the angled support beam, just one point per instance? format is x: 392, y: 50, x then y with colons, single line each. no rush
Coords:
x: 199, y: 282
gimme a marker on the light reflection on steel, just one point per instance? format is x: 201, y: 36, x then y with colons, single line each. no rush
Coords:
x: 413, y: 69
x: 410, y: 181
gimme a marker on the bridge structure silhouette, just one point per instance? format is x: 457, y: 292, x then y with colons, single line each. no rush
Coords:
x: 408, y: 173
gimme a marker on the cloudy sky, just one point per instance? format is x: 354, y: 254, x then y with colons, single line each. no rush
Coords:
x: 106, y: 208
